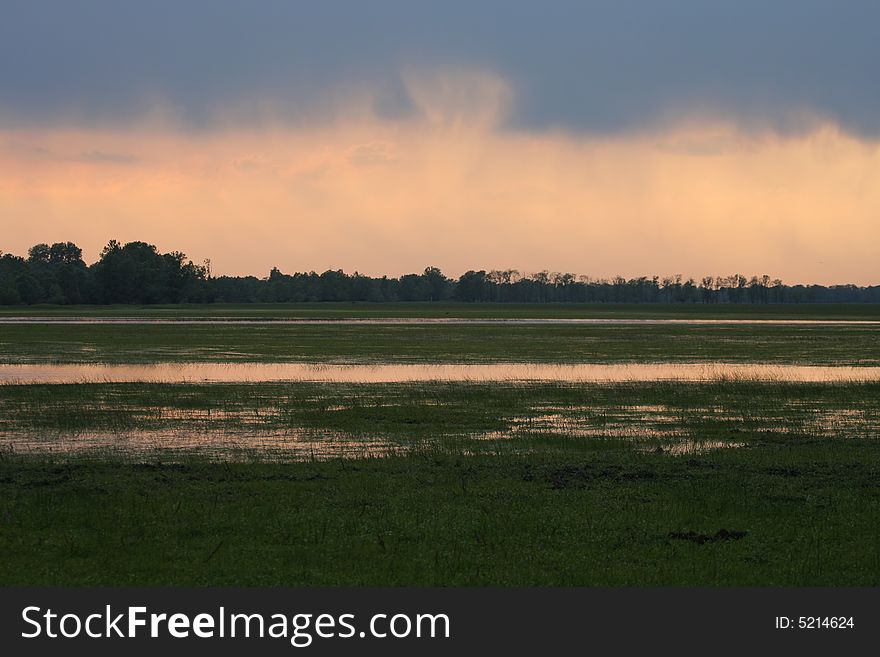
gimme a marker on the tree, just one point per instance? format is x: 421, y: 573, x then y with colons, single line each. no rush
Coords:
x: 472, y: 286
x: 414, y: 288
x: 138, y: 273
x: 38, y: 253
x: 438, y: 284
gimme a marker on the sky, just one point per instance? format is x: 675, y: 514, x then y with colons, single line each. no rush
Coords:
x: 601, y: 138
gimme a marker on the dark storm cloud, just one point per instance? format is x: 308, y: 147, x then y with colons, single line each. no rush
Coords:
x: 597, y: 66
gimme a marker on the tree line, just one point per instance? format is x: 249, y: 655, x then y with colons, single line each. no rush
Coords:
x: 137, y: 273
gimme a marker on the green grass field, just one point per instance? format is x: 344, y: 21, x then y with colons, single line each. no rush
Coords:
x: 131, y: 343
x: 328, y: 310
x: 727, y: 483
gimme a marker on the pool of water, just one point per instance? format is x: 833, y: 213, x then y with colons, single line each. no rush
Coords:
x: 415, y: 373
x: 293, y: 443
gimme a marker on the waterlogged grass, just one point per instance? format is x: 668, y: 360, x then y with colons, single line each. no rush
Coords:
x: 329, y: 310
x: 725, y: 483
x: 844, y: 344
x: 407, y: 412
x: 488, y: 490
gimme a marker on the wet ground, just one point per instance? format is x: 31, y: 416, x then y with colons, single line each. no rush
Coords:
x: 406, y: 373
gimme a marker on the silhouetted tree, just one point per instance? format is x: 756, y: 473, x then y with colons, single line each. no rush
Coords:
x: 138, y: 273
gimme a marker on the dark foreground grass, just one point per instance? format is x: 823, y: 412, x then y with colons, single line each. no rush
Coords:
x: 796, y: 503
x: 605, y: 516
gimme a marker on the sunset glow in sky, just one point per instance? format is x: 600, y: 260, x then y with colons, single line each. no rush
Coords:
x: 443, y: 155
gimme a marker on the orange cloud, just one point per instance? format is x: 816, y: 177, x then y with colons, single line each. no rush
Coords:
x: 452, y: 188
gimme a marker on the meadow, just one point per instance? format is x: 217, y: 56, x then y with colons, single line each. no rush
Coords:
x: 328, y: 310
x: 826, y: 344
x: 731, y: 482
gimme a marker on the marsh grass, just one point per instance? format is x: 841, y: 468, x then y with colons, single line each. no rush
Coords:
x: 407, y: 413
x: 829, y: 344
x: 550, y: 511
x: 788, y: 505
x: 329, y: 310
x: 732, y: 482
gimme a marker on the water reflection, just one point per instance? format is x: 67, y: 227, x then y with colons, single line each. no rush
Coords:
x: 691, y: 447
x: 294, y: 443
x: 414, y: 373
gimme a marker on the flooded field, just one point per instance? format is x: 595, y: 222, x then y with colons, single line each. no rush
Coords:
x: 404, y: 373
x: 431, y: 341
x: 416, y: 321
x: 217, y: 444
x: 431, y: 321
x: 371, y: 383
x: 356, y: 441
x: 323, y: 419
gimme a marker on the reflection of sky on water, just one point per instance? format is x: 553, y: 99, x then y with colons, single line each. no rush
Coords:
x: 404, y: 373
